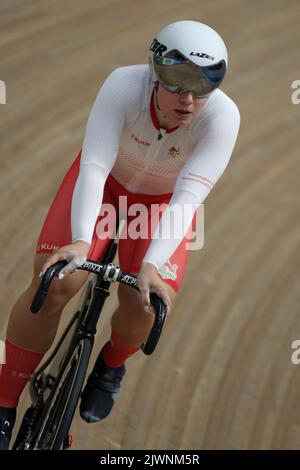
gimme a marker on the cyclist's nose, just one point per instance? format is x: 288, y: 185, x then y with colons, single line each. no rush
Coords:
x: 186, y: 97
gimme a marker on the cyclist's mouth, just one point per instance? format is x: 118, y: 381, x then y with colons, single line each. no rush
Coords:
x: 181, y: 112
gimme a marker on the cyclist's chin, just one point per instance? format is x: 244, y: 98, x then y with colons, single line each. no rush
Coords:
x: 182, y: 119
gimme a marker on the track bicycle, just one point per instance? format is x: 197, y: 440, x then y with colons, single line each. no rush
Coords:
x: 55, y: 387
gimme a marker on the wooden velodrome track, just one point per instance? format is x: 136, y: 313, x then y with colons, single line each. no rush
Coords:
x: 222, y: 376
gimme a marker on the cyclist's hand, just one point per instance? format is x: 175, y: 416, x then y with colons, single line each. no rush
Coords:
x: 75, y: 253
x: 148, y: 280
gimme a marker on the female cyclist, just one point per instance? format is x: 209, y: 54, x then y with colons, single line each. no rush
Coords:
x: 161, y: 134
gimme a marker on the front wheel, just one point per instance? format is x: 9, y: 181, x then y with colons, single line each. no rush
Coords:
x: 61, y: 405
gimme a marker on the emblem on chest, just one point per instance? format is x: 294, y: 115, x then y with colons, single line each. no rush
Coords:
x: 174, y: 152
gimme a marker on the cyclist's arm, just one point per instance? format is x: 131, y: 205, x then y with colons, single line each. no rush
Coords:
x: 199, y: 175
x: 99, y: 152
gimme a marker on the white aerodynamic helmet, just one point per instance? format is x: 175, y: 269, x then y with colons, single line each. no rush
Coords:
x: 188, y: 55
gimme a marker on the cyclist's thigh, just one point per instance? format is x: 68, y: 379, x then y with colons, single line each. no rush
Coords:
x: 56, y: 230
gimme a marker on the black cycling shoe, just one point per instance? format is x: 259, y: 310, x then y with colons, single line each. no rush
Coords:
x: 99, y: 394
x: 7, y: 421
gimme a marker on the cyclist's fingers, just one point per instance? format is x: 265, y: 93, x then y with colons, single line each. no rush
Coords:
x: 164, y: 296
x: 74, y: 263
x: 143, y: 285
x: 145, y: 297
x: 58, y: 256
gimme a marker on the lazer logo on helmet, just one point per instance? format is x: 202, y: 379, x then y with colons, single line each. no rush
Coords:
x: 203, y: 55
x: 157, y: 47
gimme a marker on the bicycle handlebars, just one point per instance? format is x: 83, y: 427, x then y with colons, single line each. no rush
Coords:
x: 110, y: 272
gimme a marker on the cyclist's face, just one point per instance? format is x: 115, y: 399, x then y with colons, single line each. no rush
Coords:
x: 177, y: 109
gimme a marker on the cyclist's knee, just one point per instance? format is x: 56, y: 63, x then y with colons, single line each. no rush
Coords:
x: 131, y: 312
x: 132, y: 325
x: 129, y: 298
x: 60, y: 292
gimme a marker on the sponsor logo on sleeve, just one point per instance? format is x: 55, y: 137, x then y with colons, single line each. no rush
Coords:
x: 168, y: 270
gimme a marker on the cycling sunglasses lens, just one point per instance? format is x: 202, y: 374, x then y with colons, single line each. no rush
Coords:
x: 200, y: 80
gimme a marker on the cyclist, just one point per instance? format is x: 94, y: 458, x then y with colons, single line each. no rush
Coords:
x: 162, y: 135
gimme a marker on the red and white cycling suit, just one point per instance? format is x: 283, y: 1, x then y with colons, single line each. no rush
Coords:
x: 123, y: 154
